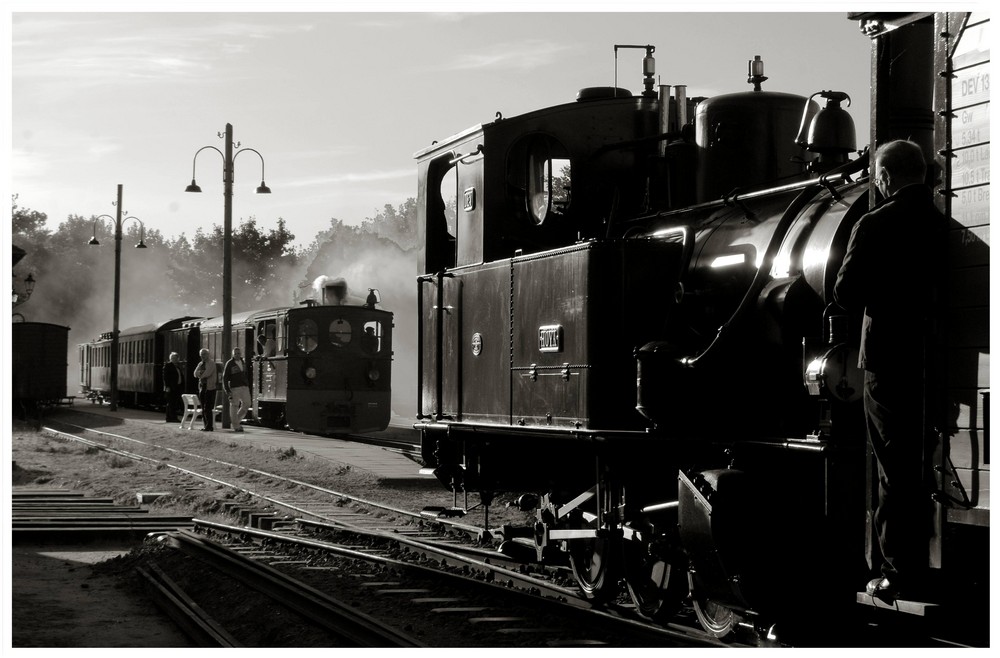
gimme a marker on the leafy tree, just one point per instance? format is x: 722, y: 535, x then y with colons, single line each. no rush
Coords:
x: 262, y: 263
x: 396, y: 224
x: 27, y: 224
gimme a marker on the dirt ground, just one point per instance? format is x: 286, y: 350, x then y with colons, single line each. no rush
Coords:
x: 57, y: 600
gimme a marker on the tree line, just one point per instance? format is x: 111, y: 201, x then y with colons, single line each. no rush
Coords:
x: 182, y: 275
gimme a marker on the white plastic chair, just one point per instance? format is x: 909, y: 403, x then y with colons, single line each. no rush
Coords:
x: 192, y: 410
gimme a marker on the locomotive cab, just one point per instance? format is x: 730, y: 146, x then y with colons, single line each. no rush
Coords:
x: 533, y: 182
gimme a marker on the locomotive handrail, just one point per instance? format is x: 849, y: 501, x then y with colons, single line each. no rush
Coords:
x: 462, y: 157
x: 841, y: 174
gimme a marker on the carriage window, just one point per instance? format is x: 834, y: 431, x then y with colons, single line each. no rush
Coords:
x: 266, y: 343
x: 306, y: 334
x: 371, y: 341
x: 340, y: 332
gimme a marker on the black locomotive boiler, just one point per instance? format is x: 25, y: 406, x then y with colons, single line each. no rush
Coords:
x: 628, y: 318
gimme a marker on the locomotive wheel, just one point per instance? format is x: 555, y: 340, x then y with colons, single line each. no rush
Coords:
x: 657, y: 584
x: 717, y: 620
x: 596, y: 564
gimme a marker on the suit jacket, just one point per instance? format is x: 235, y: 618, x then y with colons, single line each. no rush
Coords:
x: 172, y: 376
x: 892, y: 271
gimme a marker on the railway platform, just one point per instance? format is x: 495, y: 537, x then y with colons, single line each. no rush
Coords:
x: 385, y: 463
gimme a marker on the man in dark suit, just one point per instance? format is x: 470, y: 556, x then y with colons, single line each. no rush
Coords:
x: 891, y: 271
x: 173, y: 386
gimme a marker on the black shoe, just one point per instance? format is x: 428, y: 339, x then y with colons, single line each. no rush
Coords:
x: 238, y: 429
x: 881, y: 588
x: 206, y: 429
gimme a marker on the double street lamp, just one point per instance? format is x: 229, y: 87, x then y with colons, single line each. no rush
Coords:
x: 228, y: 170
x: 118, y: 222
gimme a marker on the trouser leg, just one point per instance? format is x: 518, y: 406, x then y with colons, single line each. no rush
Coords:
x: 207, y: 399
x: 893, y: 412
x: 239, y: 405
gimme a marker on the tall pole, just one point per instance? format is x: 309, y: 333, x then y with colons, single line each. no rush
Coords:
x: 228, y: 178
x: 227, y: 260
x: 118, y: 284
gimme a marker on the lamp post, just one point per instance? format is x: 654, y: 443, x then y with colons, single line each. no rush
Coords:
x: 228, y: 171
x: 118, y: 221
x: 28, y: 287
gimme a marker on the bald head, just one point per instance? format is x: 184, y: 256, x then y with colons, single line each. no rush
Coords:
x: 897, y: 164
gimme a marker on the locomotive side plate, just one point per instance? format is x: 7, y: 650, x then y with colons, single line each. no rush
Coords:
x: 550, y: 338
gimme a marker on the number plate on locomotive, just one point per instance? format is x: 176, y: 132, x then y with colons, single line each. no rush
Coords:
x: 550, y: 338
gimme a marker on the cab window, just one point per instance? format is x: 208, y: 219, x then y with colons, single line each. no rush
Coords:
x: 306, y: 335
x: 340, y: 332
x: 548, y: 183
x: 371, y: 340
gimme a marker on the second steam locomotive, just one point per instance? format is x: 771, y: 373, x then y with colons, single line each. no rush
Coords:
x: 320, y: 368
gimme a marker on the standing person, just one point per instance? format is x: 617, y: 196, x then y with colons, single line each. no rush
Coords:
x: 235, y: 383
x: 890, y: 271
x: 173, y: 386
x: 208, y: 380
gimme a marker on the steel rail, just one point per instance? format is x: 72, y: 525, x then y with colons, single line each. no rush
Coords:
x: 355, y: 628
x: 502, y: 579
x: 493, y: 572
x: 473, y: 530
x: 193, y: 621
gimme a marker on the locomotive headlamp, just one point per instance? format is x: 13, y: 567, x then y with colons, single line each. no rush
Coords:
x: 648, y: 68
x: 648, y: 64
x: 310, y: 373
x: 835, y: 374
x: 374, y: 374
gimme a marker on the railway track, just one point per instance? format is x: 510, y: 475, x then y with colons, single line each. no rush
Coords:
x: 289, y: 510
x: 313, y: 531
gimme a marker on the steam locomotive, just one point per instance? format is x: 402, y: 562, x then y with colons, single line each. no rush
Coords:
x: 626, y: 316
x: 320, y: 368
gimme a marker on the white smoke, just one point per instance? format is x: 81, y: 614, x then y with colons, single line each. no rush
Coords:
x: 330, y: 291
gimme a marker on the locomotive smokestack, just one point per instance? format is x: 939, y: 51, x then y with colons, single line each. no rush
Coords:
x: 666, y: 116
x: 680, y: 92
x: 329, y: 291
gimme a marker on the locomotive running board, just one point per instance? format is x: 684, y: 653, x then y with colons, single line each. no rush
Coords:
x: 917, y: 608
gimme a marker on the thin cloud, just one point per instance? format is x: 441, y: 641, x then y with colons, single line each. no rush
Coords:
x: 338, y: 179
x: 93, y: 51
x: 523, y: 55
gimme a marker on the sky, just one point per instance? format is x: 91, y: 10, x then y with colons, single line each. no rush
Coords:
x: 337, y: 103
